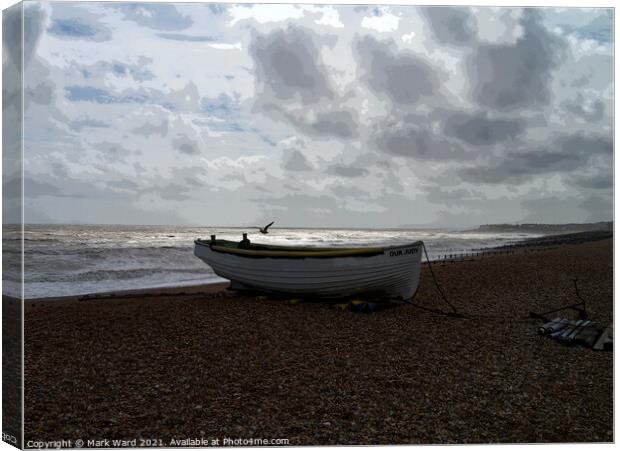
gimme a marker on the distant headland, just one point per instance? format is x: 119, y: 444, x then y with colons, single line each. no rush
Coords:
x: 546, y: 228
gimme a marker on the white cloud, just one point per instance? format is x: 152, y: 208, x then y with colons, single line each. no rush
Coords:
x: 223, y: 46
x: 386, y: 22
x: 409, y: 37
x: 330, y: 16
x: 264, y: 13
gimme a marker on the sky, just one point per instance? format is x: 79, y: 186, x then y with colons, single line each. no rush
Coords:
x: 316, y: 116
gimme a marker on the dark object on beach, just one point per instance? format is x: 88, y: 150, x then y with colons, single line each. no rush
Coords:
x: 582, y: 332
x: 363, y: 307
x: 606, y: 340
x: 264, y: 230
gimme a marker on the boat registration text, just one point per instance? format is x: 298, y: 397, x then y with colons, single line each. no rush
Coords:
x: 399, y: 252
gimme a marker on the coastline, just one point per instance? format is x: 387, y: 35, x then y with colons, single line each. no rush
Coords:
x: 174, y: 290
x: 212, y: 363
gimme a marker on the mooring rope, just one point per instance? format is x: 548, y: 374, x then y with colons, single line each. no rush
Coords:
x: 454, y: 312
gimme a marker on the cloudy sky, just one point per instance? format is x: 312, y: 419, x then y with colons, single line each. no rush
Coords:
x: 341, y: 116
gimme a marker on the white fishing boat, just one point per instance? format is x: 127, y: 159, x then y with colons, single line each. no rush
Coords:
x: 315, y: 272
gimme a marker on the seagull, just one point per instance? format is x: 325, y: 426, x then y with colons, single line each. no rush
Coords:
x: 264, y: 230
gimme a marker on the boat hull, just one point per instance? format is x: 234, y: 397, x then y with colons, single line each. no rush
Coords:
x: 394, y: 273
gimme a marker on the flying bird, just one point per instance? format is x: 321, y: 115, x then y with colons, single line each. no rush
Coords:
x: 264, y: 230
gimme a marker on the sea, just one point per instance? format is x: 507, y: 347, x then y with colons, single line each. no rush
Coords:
x: 68, y: 260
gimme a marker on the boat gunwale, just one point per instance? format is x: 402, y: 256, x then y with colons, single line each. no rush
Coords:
x: 299, y: 251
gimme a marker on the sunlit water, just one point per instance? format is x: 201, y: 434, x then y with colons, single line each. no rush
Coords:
x: 70, y: 260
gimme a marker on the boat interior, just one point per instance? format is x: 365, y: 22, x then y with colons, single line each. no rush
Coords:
x: 270, y: 250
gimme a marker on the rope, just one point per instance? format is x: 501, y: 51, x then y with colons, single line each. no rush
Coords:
x: 454, y: 312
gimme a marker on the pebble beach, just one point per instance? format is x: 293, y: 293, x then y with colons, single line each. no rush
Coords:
x: 207, y: 363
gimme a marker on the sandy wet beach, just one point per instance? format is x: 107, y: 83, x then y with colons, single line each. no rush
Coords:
x: 202, y: 362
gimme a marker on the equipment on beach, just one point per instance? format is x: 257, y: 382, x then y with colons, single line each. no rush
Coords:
x: 581, y: 331
x: 316, y: 272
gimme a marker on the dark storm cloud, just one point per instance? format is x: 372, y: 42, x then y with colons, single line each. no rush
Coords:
x: 288, y: 66
x: 416, y: 141
x: 508, y: 77
x: 340, y: 124
x: 289, y: 71
x: 450, y: 25
x: 568, y: 154
x: 479, y: 130
x: 159, y: 16
x: 296, y: 161
x: 402, y: 76
x: 149, y: 129
x: 186, y: 145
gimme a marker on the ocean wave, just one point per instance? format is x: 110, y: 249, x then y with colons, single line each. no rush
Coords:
x: 107, y: 251
x: 111, y: 274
